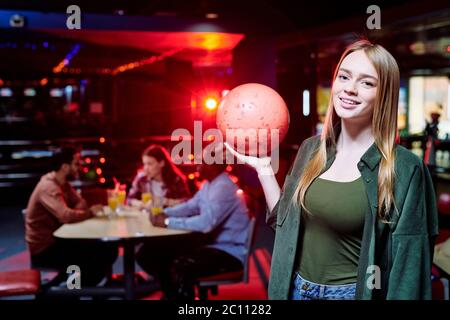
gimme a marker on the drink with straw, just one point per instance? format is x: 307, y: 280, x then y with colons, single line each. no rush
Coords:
x: 113, y: 200
x: 122, y: 194
x: 157, y: 206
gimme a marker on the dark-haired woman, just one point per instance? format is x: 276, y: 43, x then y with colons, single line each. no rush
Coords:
x: 160, y: 178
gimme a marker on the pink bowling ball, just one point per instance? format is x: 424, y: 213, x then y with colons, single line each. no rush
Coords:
x: 253, y: 118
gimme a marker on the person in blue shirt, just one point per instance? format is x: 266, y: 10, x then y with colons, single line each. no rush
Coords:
x: 218, y: 211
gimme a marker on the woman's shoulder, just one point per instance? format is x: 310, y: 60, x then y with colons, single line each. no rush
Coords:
x: 304, y: 153
x: 408, y: 165
x: 406, y: 157
x: 311, y: 141
x: 179, y: 182
x: 309, y: 144
x: 179, y: 179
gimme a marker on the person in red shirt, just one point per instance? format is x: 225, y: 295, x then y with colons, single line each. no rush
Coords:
x: 53, y: 203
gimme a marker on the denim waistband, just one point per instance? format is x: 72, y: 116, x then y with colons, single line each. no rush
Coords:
x: 307, y: 290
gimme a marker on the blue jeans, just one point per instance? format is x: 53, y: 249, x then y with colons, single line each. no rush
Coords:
x: 306, y: 290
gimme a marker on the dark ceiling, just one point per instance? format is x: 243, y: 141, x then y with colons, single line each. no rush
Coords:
x: 122, y: 32
x: 280, y: 15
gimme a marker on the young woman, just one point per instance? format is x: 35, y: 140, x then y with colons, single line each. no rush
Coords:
x: 160, y: 177
x: 356, y: 217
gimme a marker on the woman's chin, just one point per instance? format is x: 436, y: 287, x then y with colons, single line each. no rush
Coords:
x: 352, y: 116
x: 344, y: 113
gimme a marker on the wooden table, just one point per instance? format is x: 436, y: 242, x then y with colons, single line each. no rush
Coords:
x: 129, y: 228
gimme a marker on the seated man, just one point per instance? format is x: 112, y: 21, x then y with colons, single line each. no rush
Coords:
x: 53, y: 203
x: 217, y: 211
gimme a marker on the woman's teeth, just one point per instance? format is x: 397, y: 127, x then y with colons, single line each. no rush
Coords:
x: 349, y: 101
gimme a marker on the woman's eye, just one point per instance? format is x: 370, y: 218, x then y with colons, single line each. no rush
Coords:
x: 342, y: 77
x: 368, y: 84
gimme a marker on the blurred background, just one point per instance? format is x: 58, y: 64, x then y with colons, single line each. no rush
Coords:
x: 137, y: 70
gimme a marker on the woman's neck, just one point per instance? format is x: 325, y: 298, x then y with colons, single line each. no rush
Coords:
x: 158, y: 178
x: 354, y: 137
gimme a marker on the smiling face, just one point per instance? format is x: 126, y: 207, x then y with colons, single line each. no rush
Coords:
x: 355, y: 88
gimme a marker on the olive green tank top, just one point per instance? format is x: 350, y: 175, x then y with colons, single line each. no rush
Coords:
x: 331, y: 235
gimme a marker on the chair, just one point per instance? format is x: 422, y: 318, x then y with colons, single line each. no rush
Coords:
x: 19, y: 283
x: 45, y: 286
x: 439, y: 284
x: 211, y: 283
x: 444, y: 210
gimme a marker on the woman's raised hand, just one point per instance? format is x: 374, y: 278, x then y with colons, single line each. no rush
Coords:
x: 261, y: 165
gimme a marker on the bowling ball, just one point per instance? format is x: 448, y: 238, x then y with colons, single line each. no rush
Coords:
x: 253, y: 118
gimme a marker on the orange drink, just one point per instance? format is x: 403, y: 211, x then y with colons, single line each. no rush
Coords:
x: 121, y: 196
x: 156, y: 210
x: 113, y: 203
x: 113, y: 200
x: 146, y: 197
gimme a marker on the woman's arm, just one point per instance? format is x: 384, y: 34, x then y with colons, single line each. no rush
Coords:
x: 271, y: 189
x: 413, y: 240
x: 135, y: 190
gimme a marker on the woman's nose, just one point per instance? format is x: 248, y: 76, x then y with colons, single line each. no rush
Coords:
x: 350, y: 88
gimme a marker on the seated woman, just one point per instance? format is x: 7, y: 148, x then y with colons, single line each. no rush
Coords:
x: 159, y: 177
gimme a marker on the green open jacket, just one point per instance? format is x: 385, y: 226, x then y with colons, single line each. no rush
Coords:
x: 402, y: 249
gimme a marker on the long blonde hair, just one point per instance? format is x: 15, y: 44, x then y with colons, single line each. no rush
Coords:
x: 384, y: 128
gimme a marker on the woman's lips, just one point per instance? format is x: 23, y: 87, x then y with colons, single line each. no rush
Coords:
x: 349, y: 103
